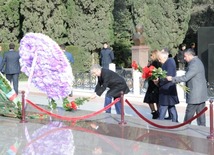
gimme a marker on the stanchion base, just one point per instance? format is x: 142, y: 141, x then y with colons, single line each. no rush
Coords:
x: 122, y: 123
x: 23, y: 121
x: 211, y: 137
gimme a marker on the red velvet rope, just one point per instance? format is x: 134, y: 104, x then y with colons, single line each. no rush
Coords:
x: 72, y: 118
x: 168, y: 135
x: 165, y: 127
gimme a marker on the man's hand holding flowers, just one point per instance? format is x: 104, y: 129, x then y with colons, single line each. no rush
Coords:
x: 169, y: 78
x: 185, y: 88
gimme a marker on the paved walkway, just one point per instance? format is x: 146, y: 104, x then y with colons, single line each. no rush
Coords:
x: 100, y: 135
x: 96, y: 104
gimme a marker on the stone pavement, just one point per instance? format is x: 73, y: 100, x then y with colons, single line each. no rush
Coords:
x: 99, y: 135
x: 96, y: 104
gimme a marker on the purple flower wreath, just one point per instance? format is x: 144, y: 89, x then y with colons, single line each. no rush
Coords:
x: 46, y: 65
x: 53, y: 138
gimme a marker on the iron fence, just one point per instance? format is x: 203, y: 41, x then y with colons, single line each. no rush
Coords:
x: 86, y: 81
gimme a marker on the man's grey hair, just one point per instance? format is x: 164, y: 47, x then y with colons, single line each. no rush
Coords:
x: 190, y: 51
x: 164, y: 52
x: 95, y: 67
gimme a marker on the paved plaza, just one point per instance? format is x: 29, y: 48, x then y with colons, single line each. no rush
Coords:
x: 101, y: 134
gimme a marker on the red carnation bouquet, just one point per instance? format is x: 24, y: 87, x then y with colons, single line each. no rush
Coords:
x: 69, y: 106
x: 149, y: 72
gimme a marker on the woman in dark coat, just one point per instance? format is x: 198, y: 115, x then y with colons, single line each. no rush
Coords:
x: 168, y: 97
x: 111, y: 80
x: 152, y: 93
x: 106, y: 56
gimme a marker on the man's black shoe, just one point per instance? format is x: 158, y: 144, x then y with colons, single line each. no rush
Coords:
x: 168, y: 118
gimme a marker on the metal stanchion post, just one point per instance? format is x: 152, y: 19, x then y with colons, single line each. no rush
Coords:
x: 122, y: 109
x: 211, y: 136
x: 211, y: 147
x: 23, y: 108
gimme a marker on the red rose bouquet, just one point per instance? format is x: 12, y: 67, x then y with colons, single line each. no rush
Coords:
x: 149, y: 72
x: 136, y: 66
x: 152, y: 73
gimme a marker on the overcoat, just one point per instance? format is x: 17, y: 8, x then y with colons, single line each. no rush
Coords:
x: 196, y: 82
x: 167, y: 89
x: 113, y: 81
x: 106, y: 56
x: 152, y: 93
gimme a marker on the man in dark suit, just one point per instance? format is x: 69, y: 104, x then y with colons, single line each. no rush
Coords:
x: 168, y: 97
x: 11, y: 66
x: 111, y: 80
x: 0, y: 55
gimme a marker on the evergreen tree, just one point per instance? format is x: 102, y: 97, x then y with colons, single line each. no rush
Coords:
x: 123, y: 26
x: 90, y: 23
x: 82, y: 59
x: 165, y: 22
x: 202, y: 13
x: 47, y: 17
x: 183, y: 17
x: 9, y: 21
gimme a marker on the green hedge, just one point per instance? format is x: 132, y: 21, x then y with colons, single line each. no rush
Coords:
x: 82, y: 59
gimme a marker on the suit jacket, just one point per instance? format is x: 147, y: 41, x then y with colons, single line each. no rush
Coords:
x: 1, y: 58
x: 10, y: 63
x: 69, y: 57
x: 111, y: 80
x: 196, y: 81
x: 167, y: 89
